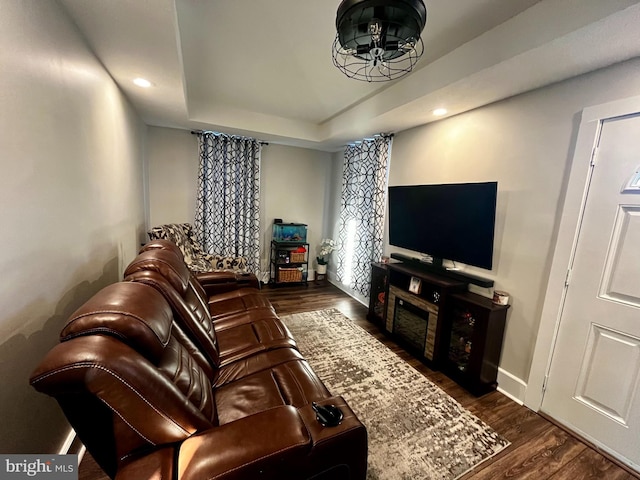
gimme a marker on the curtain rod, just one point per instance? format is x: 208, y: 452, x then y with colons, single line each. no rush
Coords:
x: 384, y: 135
x: 200, y: 132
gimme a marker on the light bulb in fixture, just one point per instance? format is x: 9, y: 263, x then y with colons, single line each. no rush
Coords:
x: 438, y: 112
x: 142, y: 82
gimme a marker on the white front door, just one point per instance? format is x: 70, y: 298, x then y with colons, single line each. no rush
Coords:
x: 594, y: 379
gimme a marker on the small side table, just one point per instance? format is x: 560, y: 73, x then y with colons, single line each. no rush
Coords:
x: 320, y: 278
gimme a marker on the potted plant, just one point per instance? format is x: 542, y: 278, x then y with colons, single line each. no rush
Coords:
x: 327, y: 246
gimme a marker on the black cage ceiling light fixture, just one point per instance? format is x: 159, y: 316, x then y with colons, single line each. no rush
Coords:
x: 378, y: 40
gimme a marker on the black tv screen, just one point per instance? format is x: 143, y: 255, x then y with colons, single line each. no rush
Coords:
x: 451, y: 221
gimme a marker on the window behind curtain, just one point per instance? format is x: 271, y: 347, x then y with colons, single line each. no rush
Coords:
x: 362, y: 211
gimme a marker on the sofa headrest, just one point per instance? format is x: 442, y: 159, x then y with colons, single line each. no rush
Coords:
x: 135, y: 313
x: 162, y: 244
x: 166, y: 263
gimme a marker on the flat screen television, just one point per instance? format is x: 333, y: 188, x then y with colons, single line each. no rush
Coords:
x: 451, y: 221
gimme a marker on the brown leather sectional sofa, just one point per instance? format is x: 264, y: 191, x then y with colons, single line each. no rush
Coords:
x: 170, y: 376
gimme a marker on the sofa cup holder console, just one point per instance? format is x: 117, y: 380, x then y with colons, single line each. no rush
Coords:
x: 328, y: 415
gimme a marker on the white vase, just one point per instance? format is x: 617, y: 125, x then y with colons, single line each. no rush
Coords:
x: 322, y: 269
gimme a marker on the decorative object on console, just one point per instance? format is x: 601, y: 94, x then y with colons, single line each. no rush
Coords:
x: 415, y: 285
x: 415, y: 429
x: 378, y: 40
x: 500, y: 297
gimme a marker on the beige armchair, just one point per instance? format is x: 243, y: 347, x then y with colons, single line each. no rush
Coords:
x: 195, y: 257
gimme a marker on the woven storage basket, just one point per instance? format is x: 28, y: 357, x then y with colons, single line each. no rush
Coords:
x: 297, y: 257
x: 290, y: 275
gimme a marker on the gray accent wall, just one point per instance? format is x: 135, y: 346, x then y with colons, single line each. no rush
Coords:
x: 72, y: 205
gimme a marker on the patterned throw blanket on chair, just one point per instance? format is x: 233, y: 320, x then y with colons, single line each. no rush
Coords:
x: 195, y: 257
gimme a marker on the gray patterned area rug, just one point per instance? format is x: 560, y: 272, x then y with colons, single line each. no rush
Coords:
x: 416, y: 431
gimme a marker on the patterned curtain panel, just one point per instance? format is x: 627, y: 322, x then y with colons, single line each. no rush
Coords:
x: 361, y: 226
x: 227, y: 218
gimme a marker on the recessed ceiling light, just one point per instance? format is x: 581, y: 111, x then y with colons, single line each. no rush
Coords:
x: 142, y: 82
x: 438, y: 112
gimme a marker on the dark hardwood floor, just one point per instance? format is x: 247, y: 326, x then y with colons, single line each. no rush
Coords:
x: 539, y: 449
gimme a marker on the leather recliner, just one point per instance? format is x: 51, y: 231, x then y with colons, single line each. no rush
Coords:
x: 148, y: 401
x: 247, y: 329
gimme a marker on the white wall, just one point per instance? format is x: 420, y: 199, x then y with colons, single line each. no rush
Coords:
x: 526, y: 144
x: 173, y: 175
x: 71, y: 196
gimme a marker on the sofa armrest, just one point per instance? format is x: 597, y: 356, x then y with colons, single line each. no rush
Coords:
x: 158, y: 464
x: 280, y: 443
x: 214, y: 283
x: 247, y: 448
x: 339, y: 452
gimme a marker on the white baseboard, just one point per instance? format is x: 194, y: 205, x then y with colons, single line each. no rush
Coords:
x: 350, y: 292
x: 511, y: 386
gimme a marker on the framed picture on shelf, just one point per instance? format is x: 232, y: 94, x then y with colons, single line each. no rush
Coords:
x: 415, y: 285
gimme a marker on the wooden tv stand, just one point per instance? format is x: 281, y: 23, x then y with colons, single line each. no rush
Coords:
x: 436, y: 319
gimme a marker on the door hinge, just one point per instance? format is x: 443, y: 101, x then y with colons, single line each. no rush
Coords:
x: 567, y: 279
x: 594, y: 156
x: 544, y: 383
